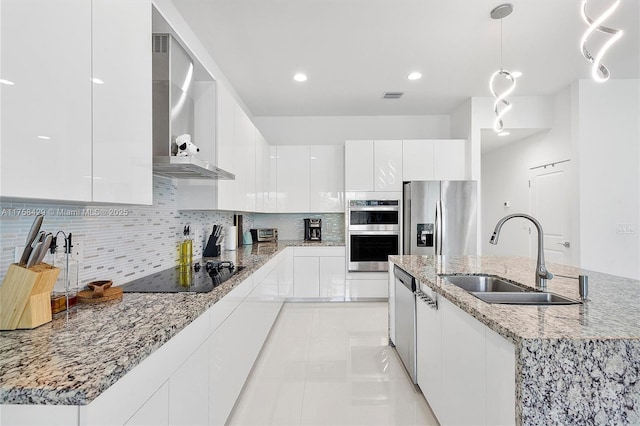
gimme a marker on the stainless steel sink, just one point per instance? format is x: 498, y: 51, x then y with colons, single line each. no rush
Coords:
x: 483, y: 283
x: 493, y: 289
x: 525, y: 298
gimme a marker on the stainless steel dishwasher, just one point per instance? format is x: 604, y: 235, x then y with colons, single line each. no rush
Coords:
x: 405, y: 307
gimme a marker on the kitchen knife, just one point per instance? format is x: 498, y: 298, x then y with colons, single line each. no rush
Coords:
x: 36, y: 246
x: 44, y: 248
x: 31, y: 237
x: 30, y: 250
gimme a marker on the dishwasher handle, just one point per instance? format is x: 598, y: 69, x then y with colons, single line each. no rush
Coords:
x: 405, y: 278
x: 431, y: 302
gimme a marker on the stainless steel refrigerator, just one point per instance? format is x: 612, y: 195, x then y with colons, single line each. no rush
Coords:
x: 440, y: 217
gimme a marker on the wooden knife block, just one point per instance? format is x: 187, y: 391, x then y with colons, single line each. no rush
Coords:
x: 25, y: 296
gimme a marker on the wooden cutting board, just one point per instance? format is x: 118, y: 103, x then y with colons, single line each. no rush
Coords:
x: 112, y: 293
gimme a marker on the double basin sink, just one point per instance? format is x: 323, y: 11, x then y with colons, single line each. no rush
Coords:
x: 492, y: 289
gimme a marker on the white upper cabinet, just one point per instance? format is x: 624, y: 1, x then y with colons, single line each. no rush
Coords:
x: 443, y: 159
x: 358, y: 166
x: 226, y: 155
x: 263, y: 175
x: 45, y: 140
x: 122, y: 114
x: 387, y: 165
x: 245, y: 144
x: 326, y: 184
x: 292, y: 179
x: 373, y: 165
x: 76, y: 123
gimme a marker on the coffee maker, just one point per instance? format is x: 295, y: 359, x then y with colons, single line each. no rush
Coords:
x: 312, y: 229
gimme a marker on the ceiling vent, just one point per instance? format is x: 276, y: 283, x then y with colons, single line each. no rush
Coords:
x: 392, y: 95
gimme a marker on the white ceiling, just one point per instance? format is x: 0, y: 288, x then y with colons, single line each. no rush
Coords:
x: 355, y: 50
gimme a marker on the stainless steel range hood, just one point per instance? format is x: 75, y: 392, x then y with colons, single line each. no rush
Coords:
x: 177, y: 83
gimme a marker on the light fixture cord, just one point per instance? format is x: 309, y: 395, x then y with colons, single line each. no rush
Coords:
x: 501, y: 68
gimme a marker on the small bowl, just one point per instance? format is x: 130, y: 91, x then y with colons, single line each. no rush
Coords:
x: 99, y: 287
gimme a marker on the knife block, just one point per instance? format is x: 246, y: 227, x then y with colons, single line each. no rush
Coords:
x: 211, y: 250
x: 25, y: 296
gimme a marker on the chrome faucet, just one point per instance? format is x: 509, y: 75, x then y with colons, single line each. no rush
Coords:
x: 542, y: 275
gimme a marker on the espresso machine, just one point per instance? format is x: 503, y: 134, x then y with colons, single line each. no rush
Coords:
x: 312, y: 230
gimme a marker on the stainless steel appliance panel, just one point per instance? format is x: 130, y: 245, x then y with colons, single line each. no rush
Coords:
x: 459, y: 218
x: 420, y: 201
x: 440, y: 217
x: 405, y: 308
x: 373, y: 234
x: 369, y: 250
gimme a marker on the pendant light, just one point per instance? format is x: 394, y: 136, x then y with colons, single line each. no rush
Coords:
x: 599, y: 72
x: 501, y: 105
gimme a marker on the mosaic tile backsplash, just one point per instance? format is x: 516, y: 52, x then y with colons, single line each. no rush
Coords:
x: 119, y: 243
x: 291, y: 226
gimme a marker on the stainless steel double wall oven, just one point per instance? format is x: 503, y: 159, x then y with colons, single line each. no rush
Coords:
x: 373, y: 233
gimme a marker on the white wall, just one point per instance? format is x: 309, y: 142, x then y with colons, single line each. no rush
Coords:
x: 597, y: 126
x: 505, y: 177
x: 608, y: 136
x: 335, y: 130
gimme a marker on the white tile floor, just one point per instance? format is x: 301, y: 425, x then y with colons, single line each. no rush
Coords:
x: 330, y: 364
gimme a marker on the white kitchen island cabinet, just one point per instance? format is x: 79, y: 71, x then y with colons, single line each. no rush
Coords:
x: 462, y: 363
x: 79, y: 110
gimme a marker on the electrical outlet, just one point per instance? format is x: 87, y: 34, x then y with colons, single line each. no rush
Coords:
x: 78, y: 251
x: 625, y: 228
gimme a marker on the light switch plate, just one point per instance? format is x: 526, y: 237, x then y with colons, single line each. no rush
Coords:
x: 78, y: 251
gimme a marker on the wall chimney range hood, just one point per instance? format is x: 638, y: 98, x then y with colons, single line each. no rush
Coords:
x: 183, y: 93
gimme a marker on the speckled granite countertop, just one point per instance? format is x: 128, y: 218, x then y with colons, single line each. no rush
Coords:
x: 52, y: 364
x: 575, y: 364
x: 612, y: 312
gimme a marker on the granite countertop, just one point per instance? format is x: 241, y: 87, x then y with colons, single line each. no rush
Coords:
x: 612, y: 312
x: 54, y: 363
x: 575, y: 364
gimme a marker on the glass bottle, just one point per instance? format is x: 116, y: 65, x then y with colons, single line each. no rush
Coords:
x: 65, y: 290
x: 186, y: 249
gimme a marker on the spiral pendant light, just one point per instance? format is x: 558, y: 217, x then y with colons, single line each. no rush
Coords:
x: 599, y: 72
x: 501, y: 105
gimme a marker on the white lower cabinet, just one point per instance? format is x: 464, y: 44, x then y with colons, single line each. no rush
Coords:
x: 306, y: 277
x: 189, y: 390
x: 332, y: 277
x: 429, y: 345
x: 463, y: 367
x: 465, y: 370
x: 285, y: 274
x: 155, y: 411
x: 501, y: 382
x: 319, y: 272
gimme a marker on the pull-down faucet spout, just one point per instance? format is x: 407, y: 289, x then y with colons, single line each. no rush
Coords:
x: 542, y: 275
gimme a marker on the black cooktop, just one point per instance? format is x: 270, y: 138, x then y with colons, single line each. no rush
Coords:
x: 196, y: 279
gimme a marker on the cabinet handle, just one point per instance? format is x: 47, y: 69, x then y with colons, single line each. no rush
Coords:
x: 432, y: 303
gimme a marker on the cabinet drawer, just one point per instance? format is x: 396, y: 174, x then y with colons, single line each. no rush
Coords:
x: 318, y: 251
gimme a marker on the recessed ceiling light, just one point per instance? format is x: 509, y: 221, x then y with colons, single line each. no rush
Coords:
x: 7, y: 82
x: 516, y: 74
x: 505, y: 133
x: 414, y: 76
x: 97, y: 80
x: 300, y: 77
x: 46, y: 138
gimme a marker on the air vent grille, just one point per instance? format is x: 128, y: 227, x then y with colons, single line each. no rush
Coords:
x: 160, y: 43
x: 392, y: 95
